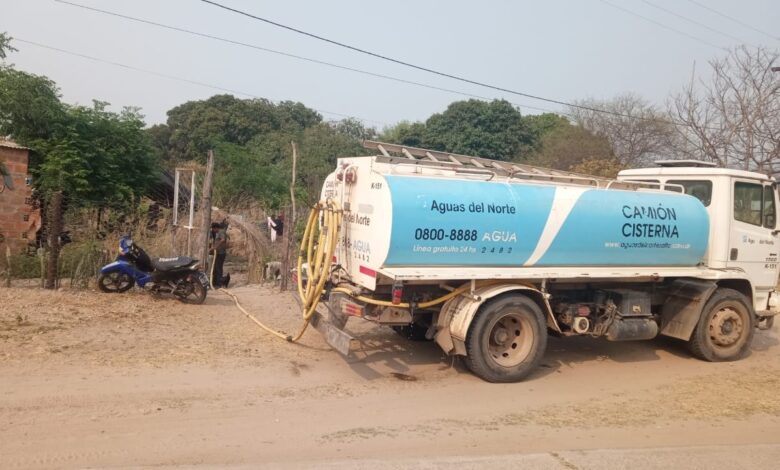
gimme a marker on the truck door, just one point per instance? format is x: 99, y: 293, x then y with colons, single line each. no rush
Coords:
x: 753, y: 242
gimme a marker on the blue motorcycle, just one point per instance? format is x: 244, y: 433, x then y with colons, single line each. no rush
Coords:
x: 179, y: 276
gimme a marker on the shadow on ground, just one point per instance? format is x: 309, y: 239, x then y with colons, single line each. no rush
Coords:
x: 382, y: 353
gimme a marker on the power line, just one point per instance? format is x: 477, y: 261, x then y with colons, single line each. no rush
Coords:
x: 658, y: 23
x: 289, y: 55
x: 734, y: 20
x: 388, y: 77
x: 693, y: 21
x: 176, y: 78
x: 420, y: 67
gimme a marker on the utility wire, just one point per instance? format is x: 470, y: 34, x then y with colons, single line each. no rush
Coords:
x: 690, y: 20
x: 293, y: 56
x: 422, y: 68
x: 388, y: 77
x: 658, y: 23
x: 173, y: 77
x: 735, y: 20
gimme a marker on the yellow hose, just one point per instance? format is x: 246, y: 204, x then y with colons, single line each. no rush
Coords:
x: 429, y: 303
x: 324, y: 236
x: 318, y: 264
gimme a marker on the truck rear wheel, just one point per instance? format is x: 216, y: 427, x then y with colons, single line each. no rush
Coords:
x: 725, y: 328
x: 506, y: 339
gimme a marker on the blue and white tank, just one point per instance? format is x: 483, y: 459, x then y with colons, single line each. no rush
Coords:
x: 401, y: 220
x: 451, y: 222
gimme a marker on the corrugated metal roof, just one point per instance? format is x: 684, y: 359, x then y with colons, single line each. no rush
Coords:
x: 12, y: 145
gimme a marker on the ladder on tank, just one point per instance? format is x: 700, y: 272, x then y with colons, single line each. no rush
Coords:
x: 510, y: 170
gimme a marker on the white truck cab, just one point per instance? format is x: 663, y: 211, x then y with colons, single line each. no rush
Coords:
x: 742, y: 207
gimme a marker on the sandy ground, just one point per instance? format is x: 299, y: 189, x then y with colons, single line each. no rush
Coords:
x: 98, y: 380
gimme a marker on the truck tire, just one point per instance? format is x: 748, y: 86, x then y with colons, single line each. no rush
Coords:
x: 506, y: 340
x: 725, y: 328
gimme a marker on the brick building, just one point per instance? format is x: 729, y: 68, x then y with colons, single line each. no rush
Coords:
x: 18, y: 219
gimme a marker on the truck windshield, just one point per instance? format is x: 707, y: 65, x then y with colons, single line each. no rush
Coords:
x: 700, y: 189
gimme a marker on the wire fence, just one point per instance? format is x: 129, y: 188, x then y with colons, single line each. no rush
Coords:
x: 91, y: 230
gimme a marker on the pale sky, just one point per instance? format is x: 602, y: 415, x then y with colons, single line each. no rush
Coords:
x: 560, y: 49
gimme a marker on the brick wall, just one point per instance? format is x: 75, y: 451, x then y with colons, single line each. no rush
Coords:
x: 18, y: 220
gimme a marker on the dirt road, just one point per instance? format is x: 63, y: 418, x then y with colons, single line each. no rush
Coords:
x: 93, y: 380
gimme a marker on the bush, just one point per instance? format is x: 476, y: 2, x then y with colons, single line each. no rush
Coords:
x: 78, y: 262
x: 25, y: 266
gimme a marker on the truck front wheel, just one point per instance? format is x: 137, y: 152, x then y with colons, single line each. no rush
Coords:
x: 506, y: 339
x: 725, y: 328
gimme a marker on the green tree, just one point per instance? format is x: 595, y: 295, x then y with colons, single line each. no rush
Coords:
x: 159, y: 135
x: 97, y: 156
x: 567, y: 146
x: 493, y: 129
x: 196, y: 126
x: 91, y: 154
x: 30, y: 106
x: 246, y: 173
x: 540, y: 124
x: 260, y: 170
x: 405, y: 133
x: 320, y: 147
x: 5, y: 45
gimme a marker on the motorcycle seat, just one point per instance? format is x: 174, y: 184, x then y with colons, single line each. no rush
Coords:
x: 169, y: 264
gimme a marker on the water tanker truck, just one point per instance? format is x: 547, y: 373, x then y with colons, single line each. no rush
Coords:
x: 487, y: 258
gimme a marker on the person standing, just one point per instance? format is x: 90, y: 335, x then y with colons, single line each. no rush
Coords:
x: 272, y: 228
x: 279, y: 225
x: 219, y: 248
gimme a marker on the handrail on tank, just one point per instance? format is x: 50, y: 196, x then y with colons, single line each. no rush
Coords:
x: 475, y: 171
x: 661, y: 186
x: 454, y: 160
x: 492, y: 174
x: 567, y: 178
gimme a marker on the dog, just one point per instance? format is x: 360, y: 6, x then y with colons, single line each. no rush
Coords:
x: 272, y: 271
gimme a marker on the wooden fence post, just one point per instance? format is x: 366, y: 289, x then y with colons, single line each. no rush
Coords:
x: 205, y: 207
x: 289, y: 226
x: 55, y: 229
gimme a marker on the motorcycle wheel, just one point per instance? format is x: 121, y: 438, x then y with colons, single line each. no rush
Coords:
x: 116, y: 282
x: 191, y: 291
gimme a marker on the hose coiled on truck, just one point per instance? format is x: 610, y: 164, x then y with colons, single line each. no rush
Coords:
x: 318, y: 260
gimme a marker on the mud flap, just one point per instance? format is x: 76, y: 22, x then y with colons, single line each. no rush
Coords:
x: 683, y: 306
x: 335, y: 336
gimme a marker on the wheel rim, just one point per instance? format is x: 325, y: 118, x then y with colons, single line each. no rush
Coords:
x: 510, y: 339
x: 185, y: 290
x: 726, y: 327
x: 190, y: 291
x: 115, y: 281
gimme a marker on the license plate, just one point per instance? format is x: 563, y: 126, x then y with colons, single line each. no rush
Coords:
x: 203, y: 279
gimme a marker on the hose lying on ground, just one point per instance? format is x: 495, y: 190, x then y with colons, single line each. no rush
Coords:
x: 318, y: 246
x: 318, y: 263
